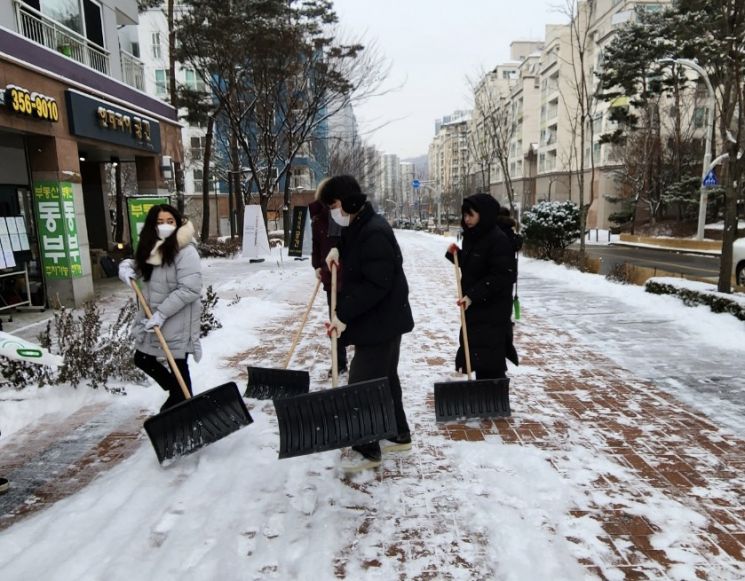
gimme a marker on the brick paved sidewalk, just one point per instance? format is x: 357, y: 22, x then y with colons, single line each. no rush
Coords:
x: 565, y: 396
x: 61, y: 457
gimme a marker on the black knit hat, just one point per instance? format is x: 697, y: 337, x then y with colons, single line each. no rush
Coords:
x: 345, y: 189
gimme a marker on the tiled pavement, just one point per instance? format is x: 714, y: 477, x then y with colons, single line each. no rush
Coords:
x: 61, y: 457
x: 564, y: 397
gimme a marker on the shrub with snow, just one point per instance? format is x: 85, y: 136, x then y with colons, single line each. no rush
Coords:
x: 549, y: 227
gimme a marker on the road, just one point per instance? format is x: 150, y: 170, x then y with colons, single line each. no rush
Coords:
x: 669, y: 260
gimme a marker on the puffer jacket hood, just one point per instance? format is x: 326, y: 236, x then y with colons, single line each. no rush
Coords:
x: 185, y: 234
x: 488, y: 210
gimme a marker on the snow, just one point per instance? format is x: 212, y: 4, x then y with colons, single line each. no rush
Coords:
x: 232, y: 511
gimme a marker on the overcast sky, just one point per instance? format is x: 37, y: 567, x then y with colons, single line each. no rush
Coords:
x: 432, y: 46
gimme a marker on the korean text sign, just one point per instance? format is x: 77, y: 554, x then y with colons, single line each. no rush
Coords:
x: 58, y: 229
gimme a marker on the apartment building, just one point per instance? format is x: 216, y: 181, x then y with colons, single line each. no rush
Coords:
x: 390, y: 192
x: 490, y: 124
x: 525, y: 100
x: 449, y: 164
x: 72, y: 106
x: 408, y: 194
x: 544, y: 149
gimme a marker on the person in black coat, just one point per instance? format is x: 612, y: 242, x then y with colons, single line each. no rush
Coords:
x: 488, y: 271
x: 373, y: 308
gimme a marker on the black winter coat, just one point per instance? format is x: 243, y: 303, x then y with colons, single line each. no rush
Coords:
x: 487, y: 263
x: 374, y: 301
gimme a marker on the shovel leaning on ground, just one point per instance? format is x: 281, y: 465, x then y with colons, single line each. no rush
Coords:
x: 482, y: 398
x: 200, y: 420
x: 268, y: 383
x: 341, y: 417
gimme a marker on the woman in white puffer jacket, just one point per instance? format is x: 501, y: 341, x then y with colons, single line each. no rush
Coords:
x: 168, y: 264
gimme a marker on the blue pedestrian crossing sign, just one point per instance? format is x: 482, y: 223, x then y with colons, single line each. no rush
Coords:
x: 711, y: 180
x: 415, y: 184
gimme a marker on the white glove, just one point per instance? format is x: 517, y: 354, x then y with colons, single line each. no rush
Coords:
x: 127, y: 271
x: 335, y: 326
x: 318, y: 273
x: 465, y: 302
x: 332, y: 258
x: 156, y: 320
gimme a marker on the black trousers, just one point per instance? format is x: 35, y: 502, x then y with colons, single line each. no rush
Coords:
x: 163, y: 376
x: 341, y: 348
x: 490, y: 374
x: 371, y: 362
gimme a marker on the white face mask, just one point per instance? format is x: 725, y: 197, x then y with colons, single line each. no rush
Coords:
x: 165, y: 230
x: 339, y: 218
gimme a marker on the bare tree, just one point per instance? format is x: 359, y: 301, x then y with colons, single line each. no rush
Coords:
x: 580, y: 101
x: 493, y: 120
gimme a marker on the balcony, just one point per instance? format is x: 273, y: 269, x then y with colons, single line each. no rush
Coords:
x: 133, y: 70
x: 47, y: 32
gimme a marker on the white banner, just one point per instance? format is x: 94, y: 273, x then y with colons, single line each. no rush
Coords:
x: 255, y: 238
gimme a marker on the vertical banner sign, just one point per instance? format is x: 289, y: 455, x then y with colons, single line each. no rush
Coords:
x: 58, y: 229
x: 297, y: 232
x: 137, y: 209
x: 255, y: 239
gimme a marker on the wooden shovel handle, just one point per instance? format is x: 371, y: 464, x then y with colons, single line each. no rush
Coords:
x: 162, y: 339
x: 334, y: 338
x: 302, y: 324
x: 466, y: 350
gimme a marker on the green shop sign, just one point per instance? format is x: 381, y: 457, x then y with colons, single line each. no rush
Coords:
x: 137, y: 209
x: 58, y: 229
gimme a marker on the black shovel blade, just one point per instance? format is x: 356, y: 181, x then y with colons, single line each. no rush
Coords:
x: 196, y: 422
x: 267, y: 383
x: 356, y: 414
x: 483, y: 398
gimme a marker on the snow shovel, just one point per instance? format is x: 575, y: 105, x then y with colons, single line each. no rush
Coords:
x: 198, y: 421
x: 482, y: 398
x: 268, y: 383
x: 341, y: 417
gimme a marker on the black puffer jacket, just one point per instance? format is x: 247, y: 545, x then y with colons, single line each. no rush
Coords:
x: 374, y: 301
x: 487, y: 263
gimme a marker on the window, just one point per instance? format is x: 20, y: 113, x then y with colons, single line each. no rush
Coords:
x: 193, y: 81
x: 197, y: 176
x: 161, y: 82
x: 93, y: 23
x: 699, y: 117
x: 197, y: 147
x: 84, y: 17
x: 155, y: 38
x: 65, y: 12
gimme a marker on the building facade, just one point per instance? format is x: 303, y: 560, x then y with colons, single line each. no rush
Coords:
x: 71, y: 108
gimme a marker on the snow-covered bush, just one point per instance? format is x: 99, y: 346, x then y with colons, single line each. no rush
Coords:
x: 219, y: 247
x: 208, y: 321
x: 549, y: 227
x: 693, y: 294
x: 90, y: 353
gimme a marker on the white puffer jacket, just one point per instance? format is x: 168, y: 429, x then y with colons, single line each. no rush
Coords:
x: 174, y: 290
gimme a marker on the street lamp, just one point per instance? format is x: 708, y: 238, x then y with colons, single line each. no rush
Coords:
x: 709, y: 131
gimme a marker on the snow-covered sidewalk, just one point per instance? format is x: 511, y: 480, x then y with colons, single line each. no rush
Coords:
x: 605, y: 470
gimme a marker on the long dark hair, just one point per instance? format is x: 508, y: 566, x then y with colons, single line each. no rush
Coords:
x: 149, y: 236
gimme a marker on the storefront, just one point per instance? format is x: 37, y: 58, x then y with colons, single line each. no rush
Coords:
x: 59, y: 132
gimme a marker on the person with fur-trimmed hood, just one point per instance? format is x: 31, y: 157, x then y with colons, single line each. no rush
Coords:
x: 373, y: 310
x: 326, y: 235
x: 487, y: 265
x: 167, y: 262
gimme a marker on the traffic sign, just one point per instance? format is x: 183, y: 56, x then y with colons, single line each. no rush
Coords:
x: 416, y: 184
x: 711, y: 180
